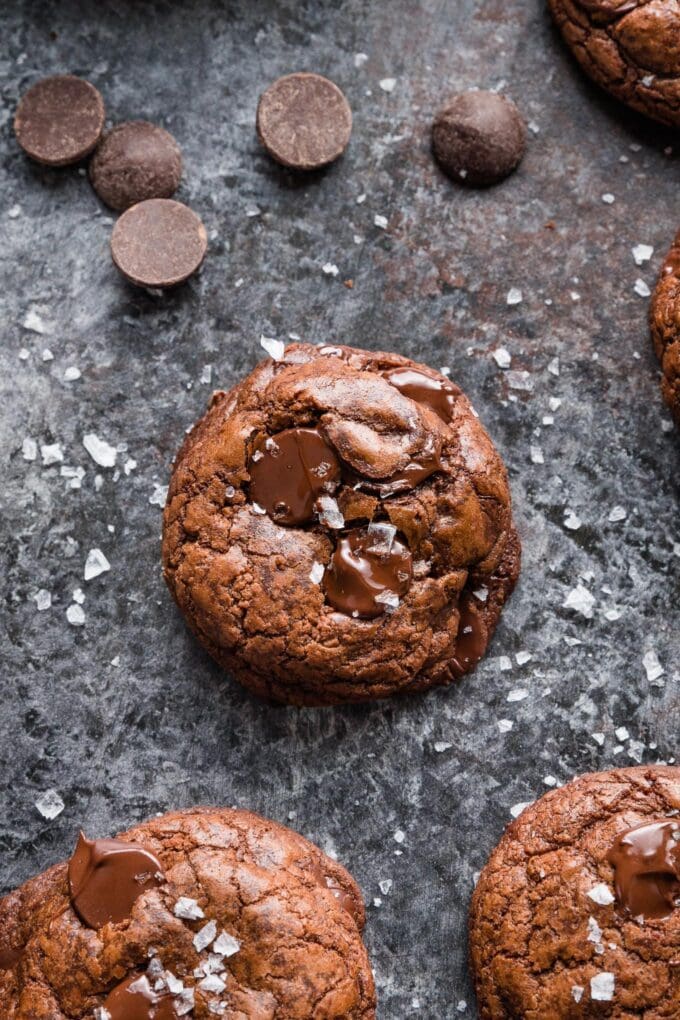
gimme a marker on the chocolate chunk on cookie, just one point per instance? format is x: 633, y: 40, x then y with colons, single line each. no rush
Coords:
x: 158, y: 243
x: 665, y: 325
x: 479, y: 138
x: 629, y: 47
x: 241, y: 918
x: 59, y: 120
x: 304, y: 121
x: 136, y: 161
x: 577, y: 913
x: 338, y: 528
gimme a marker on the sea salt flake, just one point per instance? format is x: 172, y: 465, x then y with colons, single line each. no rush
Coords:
x: 102, y: 453
x: 78, y: 596
x: 330, y: 513
x: 212, y: 983
x: 602, y: 987
x: 482, y: 594
x: 184, y: 1003
x: 386, y: 886
x: 598, y: 738
x: 159, y: 495
x: 622, y: 733
x: 43, y: 600
x: 205, y: 936
x: 581, y: 601
x: 187, y: 909
x: 642, y: 253
x: 577, y: 992
x: 505, y: 725
x: 514, y: 296
x: 360, y: 59
x: 29, y: 449
x: 641, y: 288
x: 517, y: 694
x: 380, y: 221
x: 572, y: 521
x: 274, y: 348
x: 504, y: 663
x: 75, y: 615
x: 330, y: 269
x: 399, y: 836
x: 502, y: 357
x: 608, y: 198
x: 50, y: 804
x: 442, y: 745
x: 601, y: 894
x: 382, y: 536
x: 517, y: 809
x: 594, y: 931
x: 34, y: 323
x: 653, y: 668
x: 95, y: 564
x: 550, y: 780
x: 617, y: 513
x: 206, y: 374
x: 316, y: 573
x: 517, y: 380
x: 71, y: 374
x: 174, y: 985
x: 51, y: 453
x: 226, y: 945
x: 536, y: 455
x: 389, y: 599
x: 387, y: 84
x: 100, y: 1013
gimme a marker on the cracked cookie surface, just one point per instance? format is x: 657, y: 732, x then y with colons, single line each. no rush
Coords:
x: 665, y: 326
x: 629, y: 47
x: 552, y: 935
x: 296, y: 602
x: 285, y: 922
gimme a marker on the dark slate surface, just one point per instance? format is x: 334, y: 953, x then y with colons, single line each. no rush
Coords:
x: 162, y: 728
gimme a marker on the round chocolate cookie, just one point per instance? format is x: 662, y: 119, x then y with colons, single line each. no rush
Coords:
x: 206, y: 912
x: 479, y: 138
x: 136, y: 161
x: 665, y: 324
x: 577, y: 913
x: 304, y: 121
x: 338, y: 528
x: 158, y: 243
x: 59, y: 120
x: 629, y: 47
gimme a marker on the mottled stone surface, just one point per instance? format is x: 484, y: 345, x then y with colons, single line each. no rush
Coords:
x: 162, y: 728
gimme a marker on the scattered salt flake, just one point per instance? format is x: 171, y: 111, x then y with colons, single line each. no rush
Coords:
x: 274, y: 348
x: 129, y: 465
x: 572, y: 521
x: 212, y: 983
x: 226, y: 945
x: 14, y: 211
x: 517, y: 809
x: 612, y: 614
x: 175, y: 986
x: 51, y: 453
x: 642, y: 253
x: 101, y: 1013
x: 517, y: 380
x: 71, y: 374
x: 50, y: 804
x: 330, y: 269
x: 159, y: 494
x: 598, y: 738
x: 389, y: 599
x: 514, y: 296
x: 617, y: 513
x: 601, y: 894
x: 95, y: 564
x: 577, y: 992
x: 330, y: 513
x: 184, y: 1002
x: 581, y: 601
x: 653, y: 668
x: 505, y: 725
x: 442, y: 745
x: 536, y: 455
x: 550, y: 780
x: 188, y: 909
x: 102, y: 453
x: 387, y: 84
x: 29, y: 449
x: 399, y: 836
x: 641, y: 288
x: 34, y: 323
x: 360, y: 199
x: 75, y: 615
x: 602, y: 987
x: 594, y: 931
x: 622, y: 733
x: 78, y: 596
x: 43, y: 600
x: 481, y: 594
x: 382, y: 537
x: 316, y: 573
x: 380, y: 221
x: 47, y: 354
x: 504, y: 663
x: 517, y: 694
x: 502, y: 357
x: 206, y: 374
x: 205, y: 936
x: 360, y: 59
x: 647, y: 80
x: 555, y: 402
x: 608, y: 198
x: 554, y: 369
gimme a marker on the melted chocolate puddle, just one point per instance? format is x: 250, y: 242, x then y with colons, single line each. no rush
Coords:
x: 107, y: 875
x: 646, y: 862
x: 289, y: 471
x: 135, y: 999
x: 436, y: 394
x: 472, y: 639
x: 369, y: 572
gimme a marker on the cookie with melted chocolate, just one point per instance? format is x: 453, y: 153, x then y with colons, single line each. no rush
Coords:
x: 577, y: 913
x: 338, y: 528
x: 201, y: 913
x: 664, y: 316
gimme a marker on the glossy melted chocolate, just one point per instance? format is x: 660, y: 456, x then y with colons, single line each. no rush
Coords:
x: 646, y: 863
x: 289, y: 471
x: 364, y: 574
x: 106, y: 876
x: 135, y: 999
x: 437, y: 394
x: 472, y: 638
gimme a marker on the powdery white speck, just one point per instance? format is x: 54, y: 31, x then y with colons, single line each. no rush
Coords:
x: 159, y: 495
x: 514, y: 296
x: 78, y: 596
x: 608, y: 198
x: 34, y: 323
x: 505, y: 725
x: 330, y: 269
x: 360, y: 59
x: 188, y: 909
x: 226, y: 945
x: 29, y: 449
x: 550, y: 780
x: 75, y: 615
x: 387, y: 84
x: 601, y: 894
x: 95, y: 564
x: 71, y: 374
x: 274, y: 348
x: 617, y: 513
x: 50, y: 804
x: 43, y: 600
x: 653, y: 668
x: 442, y: 745
x: 380, y: 221
x: 581, y: 601
x: 502, y: 357
x: 316, y: 573
x: 205, y: 936
x: 102, y: 453
x: 641, y: 288
x: 14, y: 211
x: 399, y: 836
x: 602, y: 987
x: 517, y: 809
x: 51, y: 453
x: 642, y: 253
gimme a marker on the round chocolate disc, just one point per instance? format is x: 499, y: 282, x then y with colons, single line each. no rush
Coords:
x: 158, y: 243
x: 304, y: 121
x: 479, y: 138
x: 59, y: 120
x: 136, y: 161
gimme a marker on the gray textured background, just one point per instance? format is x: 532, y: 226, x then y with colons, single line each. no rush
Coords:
x: 164, y: 728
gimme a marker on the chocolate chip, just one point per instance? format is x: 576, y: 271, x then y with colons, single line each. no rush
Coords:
x: 304, y: 121
x: 158, y: 243
x: 479, y: 138
x: 106, y: 877
x: 59, y: 120
x: 136, y: 161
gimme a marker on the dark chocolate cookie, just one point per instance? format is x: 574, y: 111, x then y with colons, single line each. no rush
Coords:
x: 201, y: 913
x: 665, y: 324
x: 338, y: 528
x: 479, y: 138
x: 576, y: 915
x: 629, y: 47
x: 136, y: 161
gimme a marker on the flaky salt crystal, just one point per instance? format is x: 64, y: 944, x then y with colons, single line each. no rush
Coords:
x: 29, y: 449
x: 653, y: 668
x: 388, y: 599
x: 212, y: 983
x: 43, y: 600
x: 205, y: 936
x: 382, y: 536
x: 601, y: 894
x: 387, y: 84
x: 51, y: 454
x: 502, y: 357
x: 514, y: 296
x: 188, y: 909
x: 617, y: 513
x: 581, y: 601
x: 102, y: 453
x: 330, y: 513
x: 316, y: 573
x: 642, y: 253
x: 175, y: 986
x: 517, y: 809
x: 50, y: 804
x: 75, y: 615
x: 274, y: 348
x: 577, y: 992
x: 226, y: 945
x: 641, y: 288
x: 380, y: 221
x: 602, y: 987
x: 95, y: 564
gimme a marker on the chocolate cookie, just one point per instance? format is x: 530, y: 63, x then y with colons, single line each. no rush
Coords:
x: 576, y: 914
x: 136, y: 161
x: 59, y: 120
x: 304, y: 121
x: 338, y: 528
x: 629, y: 47
x: 207, y: 912
x: 665, y: 324
x: 158, y: 243
x: 479, y: 138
